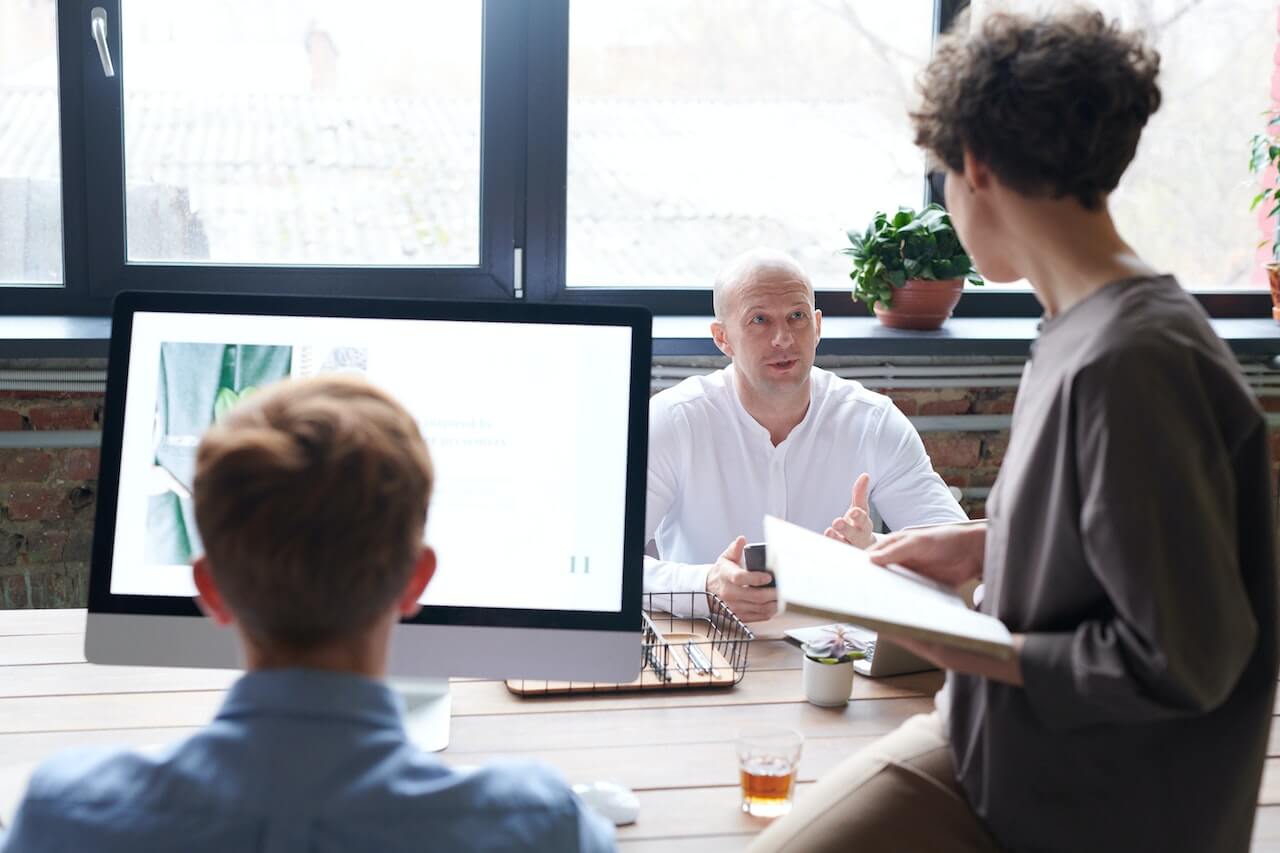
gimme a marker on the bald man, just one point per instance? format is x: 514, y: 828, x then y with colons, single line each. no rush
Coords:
x: 772, y: 434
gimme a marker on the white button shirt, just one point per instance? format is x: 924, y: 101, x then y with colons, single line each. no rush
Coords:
x: 714, y: 473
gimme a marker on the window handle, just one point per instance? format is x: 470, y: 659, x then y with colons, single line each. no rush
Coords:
x: 98, y: 26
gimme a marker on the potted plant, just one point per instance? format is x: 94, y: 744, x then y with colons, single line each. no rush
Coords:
x: 828, y: 666
x: 910, y: 268
x: 1265, y: 153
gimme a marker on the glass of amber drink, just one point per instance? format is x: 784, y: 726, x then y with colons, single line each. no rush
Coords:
x: 767, y: 760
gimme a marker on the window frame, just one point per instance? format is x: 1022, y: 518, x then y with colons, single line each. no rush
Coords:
x: 523, y: 212
x: 25, y: 297
x: 548, y: 170
x: 95, y: 259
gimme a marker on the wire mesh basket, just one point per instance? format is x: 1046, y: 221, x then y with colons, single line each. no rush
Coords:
x: 689, y: 640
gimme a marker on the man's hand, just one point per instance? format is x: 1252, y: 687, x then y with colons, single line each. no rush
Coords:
x: 854, y: 527
x: 742, y: 590
x: 958, y: 660
x: 951, y: 554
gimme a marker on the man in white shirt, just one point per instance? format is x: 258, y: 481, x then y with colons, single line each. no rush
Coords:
x: 772, y: 434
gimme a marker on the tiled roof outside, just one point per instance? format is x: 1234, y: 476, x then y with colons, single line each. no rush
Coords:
x: 656, y: 196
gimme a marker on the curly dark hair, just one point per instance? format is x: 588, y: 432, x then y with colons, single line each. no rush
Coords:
x: 1053, y: 105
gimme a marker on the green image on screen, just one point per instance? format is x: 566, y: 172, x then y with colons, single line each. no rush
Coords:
x: 199, y: 384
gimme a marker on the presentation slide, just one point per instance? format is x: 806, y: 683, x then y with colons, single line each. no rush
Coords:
x: 526, y: 424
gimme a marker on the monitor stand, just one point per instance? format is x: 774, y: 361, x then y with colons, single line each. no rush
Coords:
x: 427, y: 707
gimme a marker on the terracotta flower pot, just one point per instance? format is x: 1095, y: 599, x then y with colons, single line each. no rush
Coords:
x: 921, y: 305
x: 1273, y: 276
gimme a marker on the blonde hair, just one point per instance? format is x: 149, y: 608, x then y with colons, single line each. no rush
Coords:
x: 311, y: 498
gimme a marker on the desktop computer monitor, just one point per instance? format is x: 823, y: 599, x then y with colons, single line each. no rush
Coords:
x: 536, y: 420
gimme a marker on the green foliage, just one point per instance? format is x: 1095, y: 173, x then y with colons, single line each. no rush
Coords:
x: 906, y: 245
x: 227, y: 399
x: 1264, y: 151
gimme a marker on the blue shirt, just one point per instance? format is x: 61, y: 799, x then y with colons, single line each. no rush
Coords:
x: 299, y: 760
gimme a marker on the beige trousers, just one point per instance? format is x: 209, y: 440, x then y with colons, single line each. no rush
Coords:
x: 898, y: 794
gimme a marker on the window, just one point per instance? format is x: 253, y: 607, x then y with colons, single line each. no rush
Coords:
x: 30, y: 163
x: 290, y: 132
x: 304, y: 146
x: 698, y: 130
x: 1184, y: 201
x: 548, y: 150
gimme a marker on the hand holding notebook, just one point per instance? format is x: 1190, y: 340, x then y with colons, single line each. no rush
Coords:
x: 829, y: 578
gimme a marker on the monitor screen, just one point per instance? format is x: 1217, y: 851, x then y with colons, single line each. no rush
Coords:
x: 534, y: 417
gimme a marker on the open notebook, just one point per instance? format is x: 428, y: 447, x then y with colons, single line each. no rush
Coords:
x: 828, y: 578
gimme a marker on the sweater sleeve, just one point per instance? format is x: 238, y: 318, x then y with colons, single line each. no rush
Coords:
x: 1158, y: 523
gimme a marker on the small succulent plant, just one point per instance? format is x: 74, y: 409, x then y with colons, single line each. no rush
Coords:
x: 836, y: 645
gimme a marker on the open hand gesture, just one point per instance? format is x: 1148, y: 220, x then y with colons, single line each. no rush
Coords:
x: 854, y: 527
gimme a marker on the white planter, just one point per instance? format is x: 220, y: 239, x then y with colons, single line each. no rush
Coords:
x: 827, y: 684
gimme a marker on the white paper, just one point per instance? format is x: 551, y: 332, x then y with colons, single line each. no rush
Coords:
x: 818, y: 573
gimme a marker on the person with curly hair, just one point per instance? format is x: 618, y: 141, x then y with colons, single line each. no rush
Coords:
x: 1129, y: 546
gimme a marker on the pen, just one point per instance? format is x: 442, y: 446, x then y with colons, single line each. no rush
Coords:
x: 659, y: 669
x: 698, y: 659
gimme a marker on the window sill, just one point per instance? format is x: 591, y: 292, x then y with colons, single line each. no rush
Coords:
x: 88, y: 337
x: 54, y: 336
x: 961, y: 336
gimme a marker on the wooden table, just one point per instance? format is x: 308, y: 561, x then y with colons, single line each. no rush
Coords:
x: 673, y: 748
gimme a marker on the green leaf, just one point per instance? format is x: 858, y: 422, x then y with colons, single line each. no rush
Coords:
x: 934, y: 219
x: 902, y: 245
x: 223, y: 402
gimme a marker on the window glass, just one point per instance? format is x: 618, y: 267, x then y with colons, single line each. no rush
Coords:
x: 702, y: 128
x: 303, y: 132
x: 1184, y: 202
x: 30, y: 167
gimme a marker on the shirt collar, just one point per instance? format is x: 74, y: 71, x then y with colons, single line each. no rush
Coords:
x: 1099, y: 297
x: 744, y: 417
x: 314, y: 693
x: 754, y: 426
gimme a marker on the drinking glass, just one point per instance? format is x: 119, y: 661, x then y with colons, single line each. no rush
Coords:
x: 767, y: 760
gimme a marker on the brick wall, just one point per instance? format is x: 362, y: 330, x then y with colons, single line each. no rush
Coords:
x: 47, y: 496
x: 969, y: 459
x: 47, y: 493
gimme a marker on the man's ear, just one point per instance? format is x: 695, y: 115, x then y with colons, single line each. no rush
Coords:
x: 817, y: 324
x: 208, y: 597
x: 423, y: 569
x: 720, y: 336
x: 976, y: 174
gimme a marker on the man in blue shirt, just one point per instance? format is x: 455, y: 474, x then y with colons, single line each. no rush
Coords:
x: 311, y: 499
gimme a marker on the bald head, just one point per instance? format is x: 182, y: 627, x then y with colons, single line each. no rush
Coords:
x: 753, y: 265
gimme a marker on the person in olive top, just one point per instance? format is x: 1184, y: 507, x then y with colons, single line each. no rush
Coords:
x: 1129, y: 546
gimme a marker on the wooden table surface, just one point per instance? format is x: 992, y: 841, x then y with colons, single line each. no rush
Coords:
x: 674, y: 749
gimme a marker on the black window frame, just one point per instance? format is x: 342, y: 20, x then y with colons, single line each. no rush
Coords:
x: 524, y: 144
x: 28, y: 298
x: 92, y: 129
x: 548, y: 171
